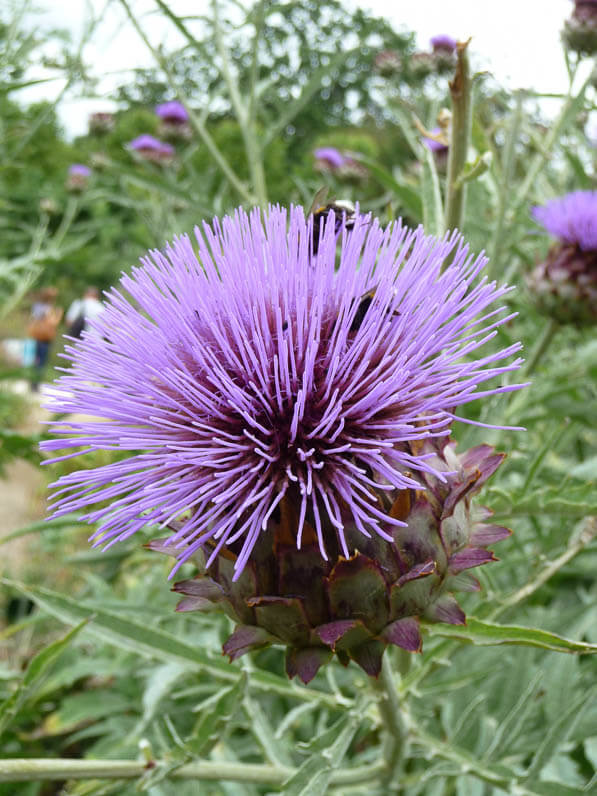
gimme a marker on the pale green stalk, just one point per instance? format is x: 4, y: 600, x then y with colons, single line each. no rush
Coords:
x: 568, y: 113
x: 40, y: 770
x: 509, y: 159
x: 196, y: 121
x: 549, y: 569
x: 461, y: 90
x: 245, y: 115
x: 393, y: 719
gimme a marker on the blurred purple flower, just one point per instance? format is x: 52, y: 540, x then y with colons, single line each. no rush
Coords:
x: 329, y: 157
x: 79, y: 170
x: 78, y: 178
x: 571, y: 218
x: 443, y: 43
x: 152, y: 148
x: 173, y: 112
x: 252, y: 368
x: 432, y: 144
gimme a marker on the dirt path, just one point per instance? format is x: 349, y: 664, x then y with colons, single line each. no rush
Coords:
x: 22, y: 498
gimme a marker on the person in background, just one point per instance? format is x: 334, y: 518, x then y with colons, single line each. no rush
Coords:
x: 42, y: 329
x: 82, y: 310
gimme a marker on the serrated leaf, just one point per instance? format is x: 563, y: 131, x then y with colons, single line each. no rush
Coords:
x: 159, y: 684
x: 488, y: 634
x: 586, y: 470
x: 149, y: 642
x: 214, y: 719
x: 275, y: 751
x: 557, y: 733
x: 556, y: 789
x: 35, y: 675
x: 314, y: 775
x: 39, y: 527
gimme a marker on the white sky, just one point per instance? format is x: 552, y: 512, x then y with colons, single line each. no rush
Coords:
x: 518, y: 40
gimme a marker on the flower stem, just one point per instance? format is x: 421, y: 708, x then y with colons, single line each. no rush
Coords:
x: 508, y: 163
x: 394, y: 721
x: 195, y: 119
x: 461, y: 89
x: 39, y: 770
x: 548, y: 570
x: 540, y: 348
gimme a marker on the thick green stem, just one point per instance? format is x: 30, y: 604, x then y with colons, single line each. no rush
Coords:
x: 40, y: 770
x: 392, y: 715
x: 461, y: 89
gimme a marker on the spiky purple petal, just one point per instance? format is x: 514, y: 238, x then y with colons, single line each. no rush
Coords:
x: 236, y: 374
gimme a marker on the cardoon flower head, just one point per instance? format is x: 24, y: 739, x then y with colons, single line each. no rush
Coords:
x: 565, y: 284
x: 343, y: 166
x: 328, y: 158
x: 286, y: 409
x: 174, y: 120
x: 422, y: 64
x: 152, y: 149
x: 443, y: 43
x: 580, y: 31
x: 388, y: 63
x: 444, y: 53
x: 78, y: 177
x: 101, y: 122
x: 173, y: 112
x: 79, y: 170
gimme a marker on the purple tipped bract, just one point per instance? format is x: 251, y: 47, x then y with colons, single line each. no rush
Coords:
x: 330, y: 156
x: 79, y: 170
x: 571, y: 218
x: 173, y: 112
x: 432, y: 144
x: 443, y: 42
x: 147, y: 143
x: 242, y: 367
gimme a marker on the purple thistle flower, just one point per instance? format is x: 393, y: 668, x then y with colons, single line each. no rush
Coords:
x: 443, y: 43
x: 252, y: 370
x: 330, y: 157
x: 571, y: 218
x: 152, y: 149
x: 79, y: 170
x: 432, y: 144
x: 173, y: 112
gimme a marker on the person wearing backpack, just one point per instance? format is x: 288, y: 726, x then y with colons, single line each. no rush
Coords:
x: 82, y: 310
x: 42, y: 329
